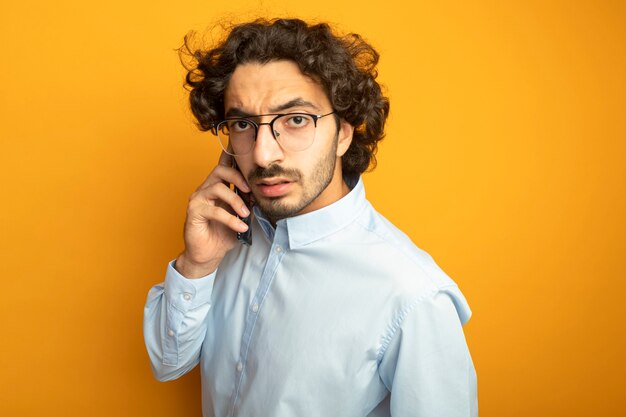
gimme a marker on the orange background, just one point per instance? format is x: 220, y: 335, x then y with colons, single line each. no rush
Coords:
x: 504, y: 159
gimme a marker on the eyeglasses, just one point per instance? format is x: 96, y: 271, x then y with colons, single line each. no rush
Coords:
x: 293, y: 131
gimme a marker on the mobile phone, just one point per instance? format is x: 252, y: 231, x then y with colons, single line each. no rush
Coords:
x: 244, y: 237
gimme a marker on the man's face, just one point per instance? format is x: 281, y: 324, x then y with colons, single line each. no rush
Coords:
x: 287, y: 183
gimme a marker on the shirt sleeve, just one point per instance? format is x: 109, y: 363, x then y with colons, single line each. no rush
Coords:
x: 174, y: 323
x: 427, y: 366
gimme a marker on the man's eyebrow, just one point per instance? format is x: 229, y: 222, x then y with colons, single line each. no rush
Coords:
x: 296, y: 102
x: 235, y: 112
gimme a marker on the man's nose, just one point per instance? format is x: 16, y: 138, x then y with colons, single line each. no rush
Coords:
x: 266, y: 149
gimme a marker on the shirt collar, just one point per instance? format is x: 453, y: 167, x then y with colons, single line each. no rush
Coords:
x: 309, y: 227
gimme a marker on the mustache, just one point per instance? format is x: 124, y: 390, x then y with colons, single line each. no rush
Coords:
x: 260, y: 173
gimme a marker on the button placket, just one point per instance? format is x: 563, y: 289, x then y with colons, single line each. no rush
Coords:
x: 275, y: 255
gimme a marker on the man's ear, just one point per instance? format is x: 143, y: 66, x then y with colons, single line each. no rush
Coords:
x: 344, y: 137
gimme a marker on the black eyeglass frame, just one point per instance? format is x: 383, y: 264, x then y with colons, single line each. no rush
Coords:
x: 215, y: 127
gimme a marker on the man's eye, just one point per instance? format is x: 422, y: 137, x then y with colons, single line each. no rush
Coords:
x: 242, y: 125
x: 299, y: 120
x: 239, y: 125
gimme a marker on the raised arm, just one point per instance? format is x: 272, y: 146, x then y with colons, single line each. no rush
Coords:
x: 174, y: 325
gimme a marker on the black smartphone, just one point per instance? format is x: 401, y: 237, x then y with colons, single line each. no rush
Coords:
x: 244, y: 237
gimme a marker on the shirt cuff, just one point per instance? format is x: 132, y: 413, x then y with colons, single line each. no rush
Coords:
x: 186, y: 294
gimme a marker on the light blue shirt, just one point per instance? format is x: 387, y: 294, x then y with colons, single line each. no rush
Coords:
x: 332, y: 313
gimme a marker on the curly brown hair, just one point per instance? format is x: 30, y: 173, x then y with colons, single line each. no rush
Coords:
x: 345, y: 66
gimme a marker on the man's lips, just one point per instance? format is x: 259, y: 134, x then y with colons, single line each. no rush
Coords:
x: 274, y: 187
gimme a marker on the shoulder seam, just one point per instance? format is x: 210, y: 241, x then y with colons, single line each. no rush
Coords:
x: 399, y: 319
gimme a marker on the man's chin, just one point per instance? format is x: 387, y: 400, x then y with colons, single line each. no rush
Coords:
x: 277, y: 208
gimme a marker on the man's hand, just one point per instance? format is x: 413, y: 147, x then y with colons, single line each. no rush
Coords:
x: 211, y: 226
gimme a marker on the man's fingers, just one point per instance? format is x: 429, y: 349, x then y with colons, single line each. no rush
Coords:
x: 225, y: 175
x: 227, y: 160
x: 215, y: 195
x: 210, y: 213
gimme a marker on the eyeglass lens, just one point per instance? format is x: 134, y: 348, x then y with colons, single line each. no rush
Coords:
x: 294, y: 132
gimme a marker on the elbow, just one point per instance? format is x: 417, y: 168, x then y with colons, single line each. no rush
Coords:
x: 168, y: 367
x: 164, y: 373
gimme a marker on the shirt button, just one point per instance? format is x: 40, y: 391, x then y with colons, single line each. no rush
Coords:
x: 278, y: 249
x: 239, y: 367
x: 170, y: 332
x: 255, y: 308
x: 187, y: 296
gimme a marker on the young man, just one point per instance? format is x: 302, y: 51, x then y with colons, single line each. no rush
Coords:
x: 330, y: 311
